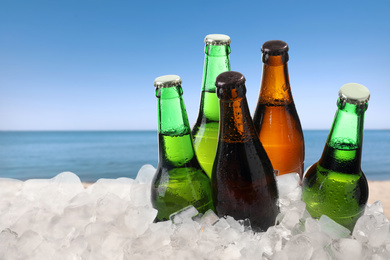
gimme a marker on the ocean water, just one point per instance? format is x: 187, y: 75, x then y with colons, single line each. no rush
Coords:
x: 112, y: 154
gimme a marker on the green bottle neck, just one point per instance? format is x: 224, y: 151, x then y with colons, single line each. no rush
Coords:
x: 175, y: 141
x: 345, y: 139
x: 172, y: 115
x: 216, y: 61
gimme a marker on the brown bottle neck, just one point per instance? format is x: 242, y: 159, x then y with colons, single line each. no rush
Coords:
x: 275, y: 83
x: 236, y: 123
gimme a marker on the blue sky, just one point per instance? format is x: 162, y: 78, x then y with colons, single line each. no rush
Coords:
x: 90, y: 65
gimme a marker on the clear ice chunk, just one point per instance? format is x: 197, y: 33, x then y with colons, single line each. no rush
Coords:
x: 146, y: 174
x: 371, y: 230
x: 347, y: 249
x: 333, y: 229
x: 184, y: 215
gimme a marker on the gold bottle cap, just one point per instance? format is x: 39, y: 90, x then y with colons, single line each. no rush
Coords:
x: 167, y: 81
x: 217, y: 39
x: 354, y: 93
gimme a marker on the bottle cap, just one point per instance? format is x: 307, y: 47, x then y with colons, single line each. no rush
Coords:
x: 217, y: 39
x: 167, y: 81
x: 227, y: 81
x: 354, y: 93
x: 274, y: 47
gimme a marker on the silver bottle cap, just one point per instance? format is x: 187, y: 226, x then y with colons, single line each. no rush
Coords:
x: 354, y: 93
x: 217, y: 39
x: 167, y: 81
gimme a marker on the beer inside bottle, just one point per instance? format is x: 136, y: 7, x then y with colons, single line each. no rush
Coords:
x: 205, y: 129
x: 179, y: 180
x: 243, y: 181
x: 276, y: 118
x: 336, y: 186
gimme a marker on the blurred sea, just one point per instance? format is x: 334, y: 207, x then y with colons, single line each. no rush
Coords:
x: 112, y: 154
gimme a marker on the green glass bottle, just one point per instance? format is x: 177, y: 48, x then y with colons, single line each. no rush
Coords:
x: 205, y: 129
x: 336, y: 186
x: 179, y: 180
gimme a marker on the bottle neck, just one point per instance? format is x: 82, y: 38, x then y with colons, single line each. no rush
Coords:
x: 345, y: 139
x: 275, y: 83
x: 172, y: 115
x: 175, y: 142
x: 216, y: 61
x: 236, y: 124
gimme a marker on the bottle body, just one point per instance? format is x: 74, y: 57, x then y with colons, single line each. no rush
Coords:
x: 339, y: 195
x: 243, y: 181
x: 276, y: 118
x: 179, y: 180
x: 205, y: 129
x: 286, y: 151
x: 177, y: 186
x: 336, y: 186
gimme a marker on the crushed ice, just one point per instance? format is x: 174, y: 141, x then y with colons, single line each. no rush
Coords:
x: 113, y: 219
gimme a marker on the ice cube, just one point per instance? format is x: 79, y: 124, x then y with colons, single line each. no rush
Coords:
x: 287, y: 183
x: 221, y: 224
x: 138, y: 219
x: 146, y: 174
x: 140, y: 195
x: 290, y: 219
x: 376, y: 210
x: 121, y: 187
x: 369, y: 230
x: 110, y: 207
x: 157, y: 240
x: 271, y: 241
x: 372, y: 209
x: 312, y: 225
x: 333, y: 229
x: 183, y: 215
x: 239, y: 225
x: 68, y: 183
x: 347, y: 249
x: 299, y: 247
x: 208, y: 218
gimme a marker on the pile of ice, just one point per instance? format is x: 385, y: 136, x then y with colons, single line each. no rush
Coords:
x: 113, y: 219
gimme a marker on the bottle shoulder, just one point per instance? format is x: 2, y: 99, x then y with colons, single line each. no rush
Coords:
x: 186, y: 173
x: 248, y: 159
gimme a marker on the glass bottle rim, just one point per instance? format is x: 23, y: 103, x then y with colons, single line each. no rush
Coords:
x: 167, y: 81
x: 217, y: 39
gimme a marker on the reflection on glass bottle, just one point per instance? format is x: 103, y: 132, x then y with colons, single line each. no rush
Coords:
x: 243, y: 180
x: 205, y: 130
x: 179, y: 180
x: 336, y: 186
x: 276, y: 118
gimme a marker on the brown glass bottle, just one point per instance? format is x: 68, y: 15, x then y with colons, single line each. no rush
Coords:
x: 276, y: 118
x: 243, y: 181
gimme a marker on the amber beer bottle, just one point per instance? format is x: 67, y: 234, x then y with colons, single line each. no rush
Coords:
x: 205, y: 129
x: 179, y: 180
x: 276, y: 118
x: 243, y: 181
x: 335, y: 185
